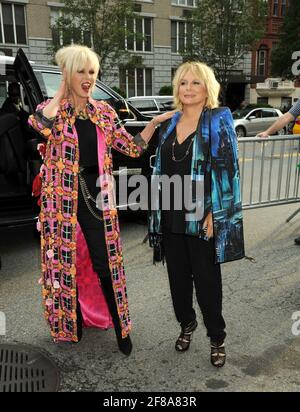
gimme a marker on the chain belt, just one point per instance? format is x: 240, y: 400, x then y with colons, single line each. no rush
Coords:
x: 88, y: 198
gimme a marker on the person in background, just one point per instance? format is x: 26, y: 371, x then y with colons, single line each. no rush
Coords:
x: 13, y: 102
x: 13, y: 105
x: 280, y: 123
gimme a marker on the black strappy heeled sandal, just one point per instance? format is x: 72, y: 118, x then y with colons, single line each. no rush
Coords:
x: 185, y: 337
x: 217, y: 355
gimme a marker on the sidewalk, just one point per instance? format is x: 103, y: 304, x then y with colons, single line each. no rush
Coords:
x: 259, y: 300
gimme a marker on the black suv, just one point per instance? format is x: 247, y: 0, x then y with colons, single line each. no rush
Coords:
x: 19, y: 160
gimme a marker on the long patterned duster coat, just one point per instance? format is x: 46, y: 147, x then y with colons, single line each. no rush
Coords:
x: 66, y: 266
x: 216, y: 150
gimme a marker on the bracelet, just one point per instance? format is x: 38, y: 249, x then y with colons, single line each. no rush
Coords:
x: 44, y: 120
x: 155, y: 126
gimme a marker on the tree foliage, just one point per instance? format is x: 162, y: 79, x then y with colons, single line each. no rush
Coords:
x: 223, y: 31
x: 99, y: 24
x: 289, y: 42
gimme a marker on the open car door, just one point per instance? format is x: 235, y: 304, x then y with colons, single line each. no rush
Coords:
x: 27, y: 78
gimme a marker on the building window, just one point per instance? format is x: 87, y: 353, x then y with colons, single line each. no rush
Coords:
x: 261, y: 62
x: 191, y: 3
x: 283, y: 8
x: 262, y: 100
x: 140, y: 34
x: 286, y: 104
x: 136, y: 82
x: 180, y: 35
x: 275, y: 8
x: 12, y: 24
x: 76, y: 35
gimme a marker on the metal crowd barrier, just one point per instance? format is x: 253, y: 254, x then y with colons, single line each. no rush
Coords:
x: 269, y: 172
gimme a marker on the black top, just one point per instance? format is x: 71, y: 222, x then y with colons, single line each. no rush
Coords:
x: 88, y: 149
x: 87, y: 139
x: 174, y: 220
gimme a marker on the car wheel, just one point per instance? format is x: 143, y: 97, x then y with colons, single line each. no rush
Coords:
x: 240, y: 131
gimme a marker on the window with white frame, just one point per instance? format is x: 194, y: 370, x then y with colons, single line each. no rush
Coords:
x: 12, y: 23
x: 190, y: 3
x: 136, y: 82
x: 261, y: 62
x: 181, y: 34
x: 139, y: 37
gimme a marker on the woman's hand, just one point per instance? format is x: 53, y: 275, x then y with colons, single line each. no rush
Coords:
x: 63, y: 90
x: 208, y: 226
x: 163, y: 117
x: 149, y: 130
x: 263, y: 135
x: 51, y: 109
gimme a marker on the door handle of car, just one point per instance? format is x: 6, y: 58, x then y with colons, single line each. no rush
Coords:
x: 152, y: 161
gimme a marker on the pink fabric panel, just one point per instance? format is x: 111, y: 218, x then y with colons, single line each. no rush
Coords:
x: 94, y: 309
x: 101, y: 149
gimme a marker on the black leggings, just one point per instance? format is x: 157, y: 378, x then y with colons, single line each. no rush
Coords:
x: 190, y: 260
x: 93, y: 231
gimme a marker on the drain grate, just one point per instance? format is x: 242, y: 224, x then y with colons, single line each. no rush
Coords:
x: 25, y: 369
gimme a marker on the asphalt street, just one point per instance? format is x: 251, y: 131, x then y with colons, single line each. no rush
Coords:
x: 260, y: 298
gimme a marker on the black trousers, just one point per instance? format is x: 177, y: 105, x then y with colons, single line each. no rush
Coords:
x: 93, y: 231
x: 190, y: 261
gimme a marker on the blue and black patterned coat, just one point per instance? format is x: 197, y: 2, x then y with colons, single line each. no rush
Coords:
x: 224, y: 199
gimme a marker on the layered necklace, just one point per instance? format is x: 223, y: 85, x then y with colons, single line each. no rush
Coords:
x: 186, y: 153
x: 189, y: 146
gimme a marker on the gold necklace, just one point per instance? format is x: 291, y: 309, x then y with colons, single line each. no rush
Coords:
x: 81, y: 114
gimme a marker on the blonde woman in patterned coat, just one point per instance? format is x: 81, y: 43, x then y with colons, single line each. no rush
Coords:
x: 83, y: 275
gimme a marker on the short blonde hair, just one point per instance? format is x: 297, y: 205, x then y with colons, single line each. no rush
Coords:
x: 205, y: 74
x: 74, y: 58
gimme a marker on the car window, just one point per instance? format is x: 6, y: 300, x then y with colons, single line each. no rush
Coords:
x: 268, y: 113
x: 257, y: 114
x: 165, y: 104
x: 3, y: 93
x: 100, y: 94
x: 240, y: 114
x: 49, y: 83
x: 144, y: 105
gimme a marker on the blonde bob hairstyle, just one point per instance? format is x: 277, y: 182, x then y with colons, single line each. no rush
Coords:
x: 74, y: 58
x: 203, y: 73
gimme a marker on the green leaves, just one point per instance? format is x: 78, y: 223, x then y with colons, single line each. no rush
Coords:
x: 99, y: 24
x: 289, y: 42
x: 223, y: 31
